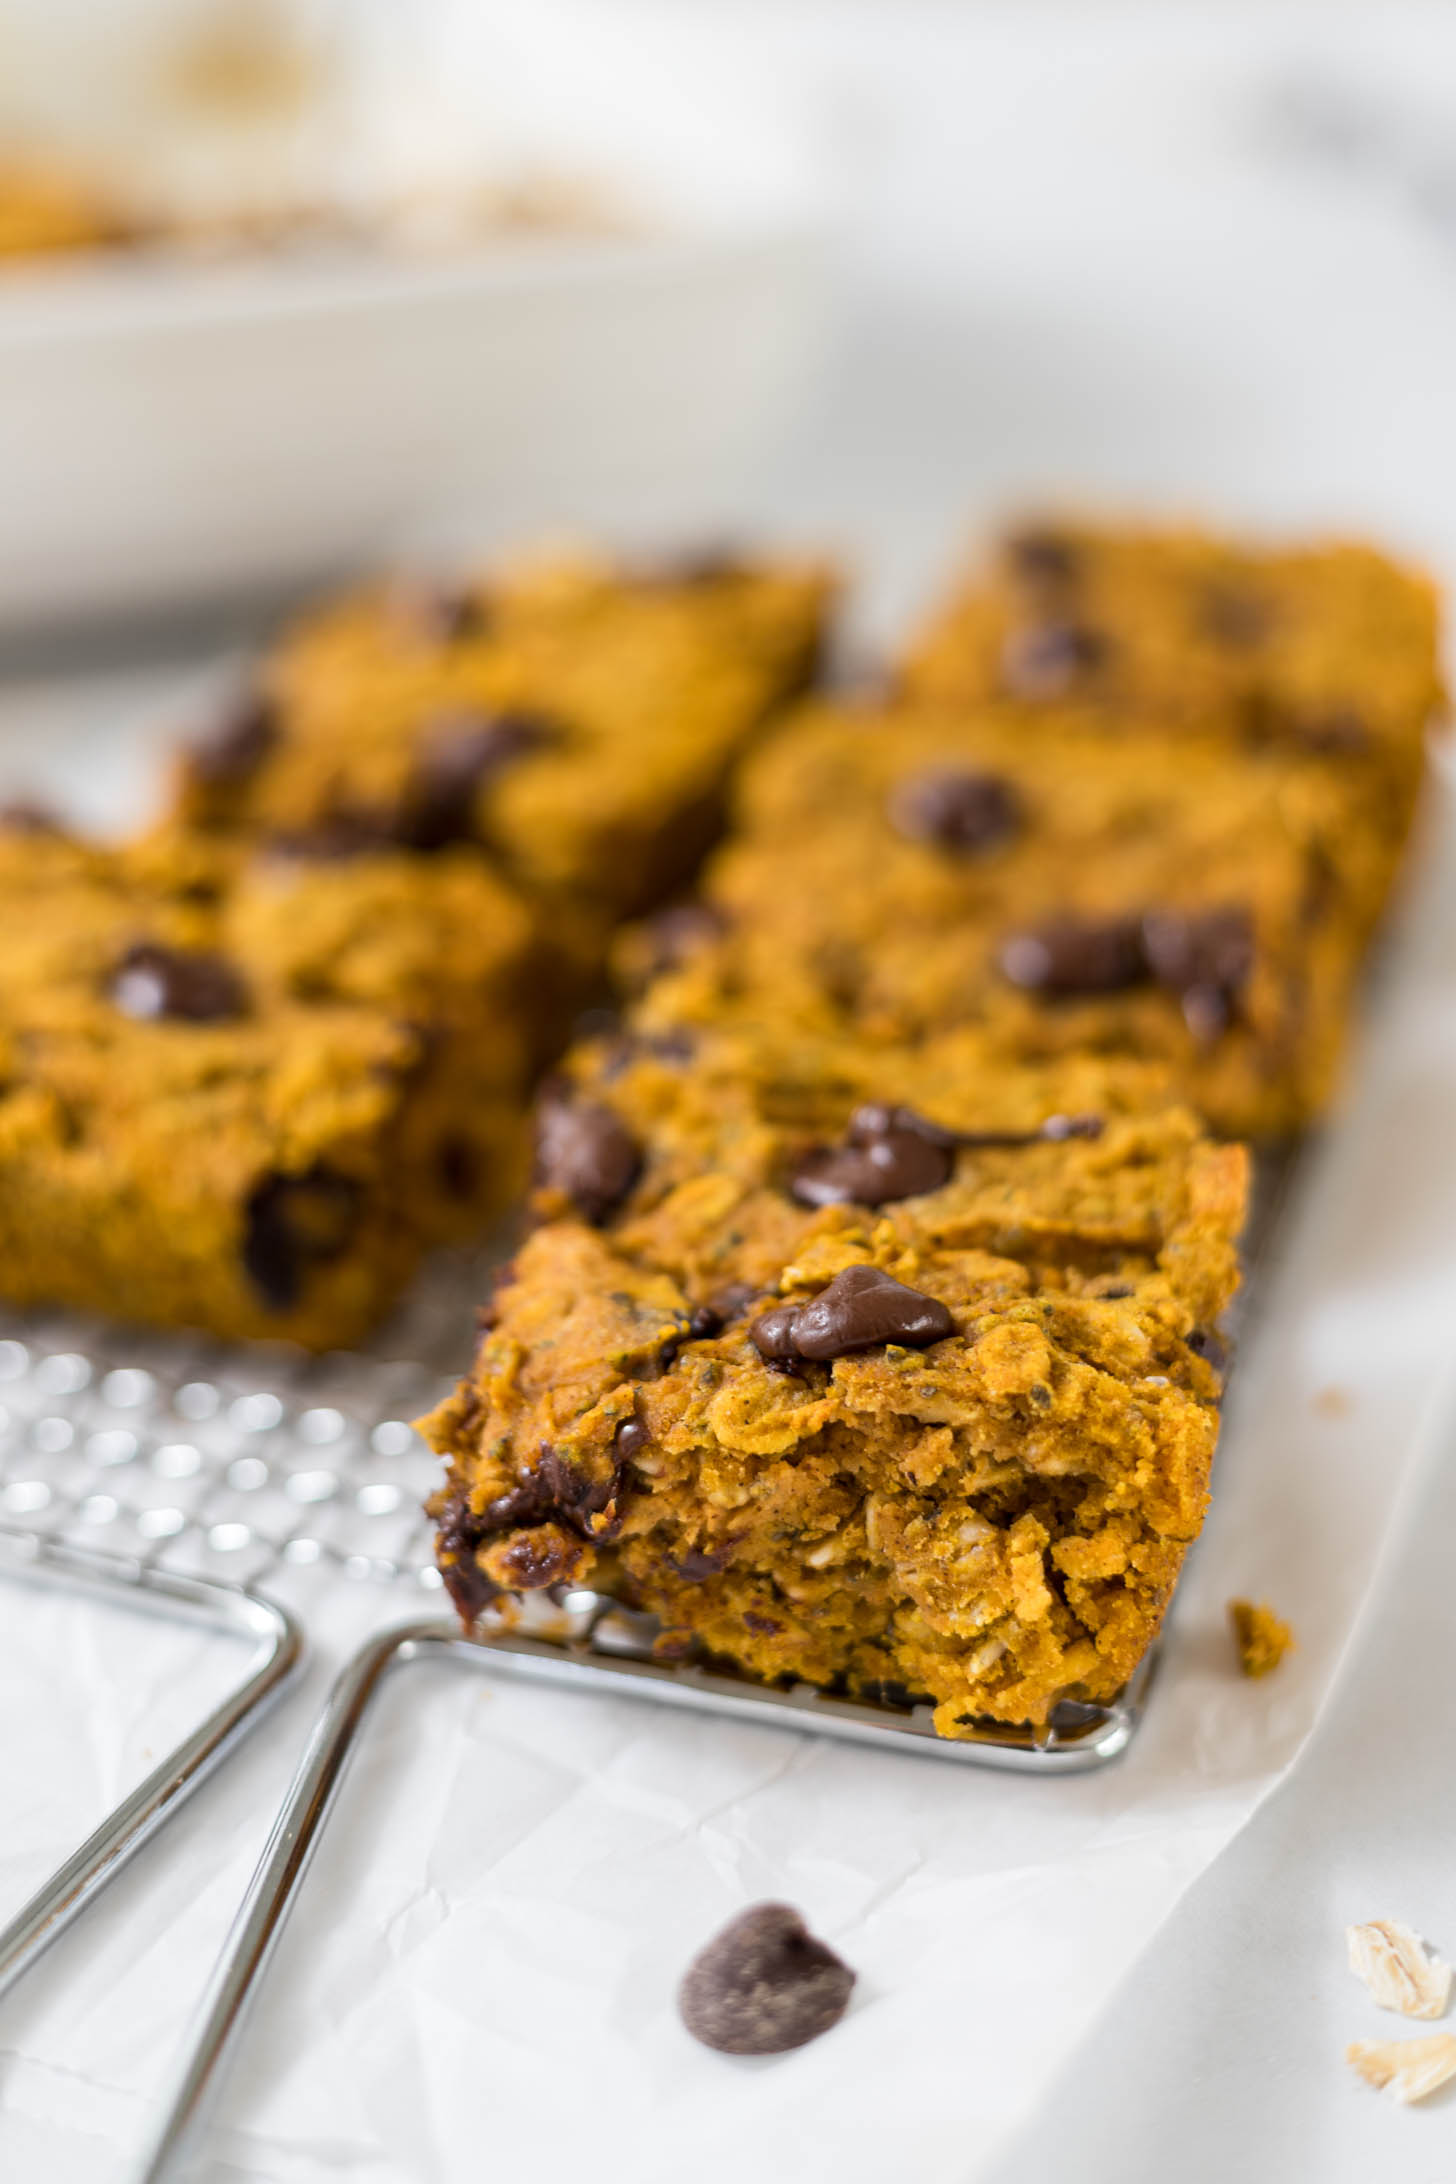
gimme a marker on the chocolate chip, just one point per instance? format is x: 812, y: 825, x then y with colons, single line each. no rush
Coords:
x: 675, y: 935
x: 763, y: 1985
x: 1234, y: 615
x: 23, y: 817
x: 293, y: 1223
x: 956, y: 809
x: 888, y: 1153
x: 586, y: 1153
x: 1040, y: 556
x: 732, y: 1299
x: 233, y: 749
x: 457, y: 1536
x: 152, y: 982
x: 1339, y: 732
x: 1207, y: 1343
x: 541, y: 1558
x: 861, y: 1308
x: 1204, y: 957
x: 1050, y: 659
x: 632, y: 1437
x: 436, y: 612
x: 1069, y: 955
x: 459, y: 752
x: 697, y: 1563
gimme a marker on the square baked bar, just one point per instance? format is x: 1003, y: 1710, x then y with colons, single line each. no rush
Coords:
x: 576, y: 719
x: 903, y: 1400
x: 898, y: 871
x: 243, y: 1092
x: 1328, y: 650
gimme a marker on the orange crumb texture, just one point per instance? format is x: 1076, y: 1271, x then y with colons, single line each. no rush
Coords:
x: 1261, y: 1636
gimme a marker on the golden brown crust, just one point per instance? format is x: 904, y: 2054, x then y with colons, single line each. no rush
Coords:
x: 994, y: 1520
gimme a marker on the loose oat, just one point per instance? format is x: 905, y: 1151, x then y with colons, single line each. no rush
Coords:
x: 1396, y: 1967
x: 1407, y: 2069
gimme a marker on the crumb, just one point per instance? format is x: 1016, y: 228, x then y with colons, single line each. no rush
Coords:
x: 1333, y: 1402
x: 1407, y: 2069
x: 1260, y: 1635
x: 1397, y: 1968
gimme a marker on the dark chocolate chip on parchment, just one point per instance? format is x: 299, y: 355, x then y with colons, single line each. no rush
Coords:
x: 188, y: 984
x: 764, y: 1985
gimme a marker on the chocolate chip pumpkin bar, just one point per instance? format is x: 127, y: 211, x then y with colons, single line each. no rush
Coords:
x: 241, y: 1092
x: 915, y: 1407
x: 1330, y: 651
x: 897, y: 871
x: 576, y: 719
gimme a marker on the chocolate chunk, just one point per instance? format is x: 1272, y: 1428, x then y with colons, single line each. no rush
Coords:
x: 763, y: 1985
x: 1206, y: 958
x: 956, y: 808
x: 1039, y: 556
x: 699, y: 1563
x: 23, y: 817
x: 152, y: 982
x: 583, y: 1151
x: 675, y: 935
x: 888, y: 1153
x: 544, y: 1557
x: 459, y: 752
x: 732, y: 1299
x: 861, y: 1308
x: 457, y: 1536
x: 631, y: 1438
x: 1070, y: 955
x: 1050, y: 659
x: 293, y: 1223
x: 438, y: 612
x: 1234, y: 615
x: 233, y: 749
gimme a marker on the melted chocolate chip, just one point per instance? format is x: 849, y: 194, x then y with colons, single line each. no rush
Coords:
x: 233, y: 749
x: 956, y: 809
x: 763, y: 1985
x: 541, y: 1558
x: 701, y: 1325
x: 293, y: 1223
x: 1051, y: 659
x: 1039, y: 556
x: 460, y: 751
x: 888, y: 1153
x: 1069, y: 955
x: 1206, y: 959
x: 586, y: 1153
x: 457, y: 1536
x: 732, y: 1299
x: 631, y: 1438
x: 1235, y: 615
x: 698, y: 1563
x: 861, y: 1308
x: 192, y: 985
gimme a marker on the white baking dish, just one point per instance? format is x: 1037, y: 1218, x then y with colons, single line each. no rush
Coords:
x: 174, y: 426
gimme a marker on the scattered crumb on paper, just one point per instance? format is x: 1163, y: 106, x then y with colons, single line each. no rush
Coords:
x: 1397, y: 1968
x: 1407, y: 2069
x: 1261, y: 1636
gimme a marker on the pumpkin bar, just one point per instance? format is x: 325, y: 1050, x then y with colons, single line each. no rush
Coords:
x: 904, y: 869
x: 1328, y: 650
x: 243, y: 1092
x: 912, y: 1402
x: 575, y: 719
